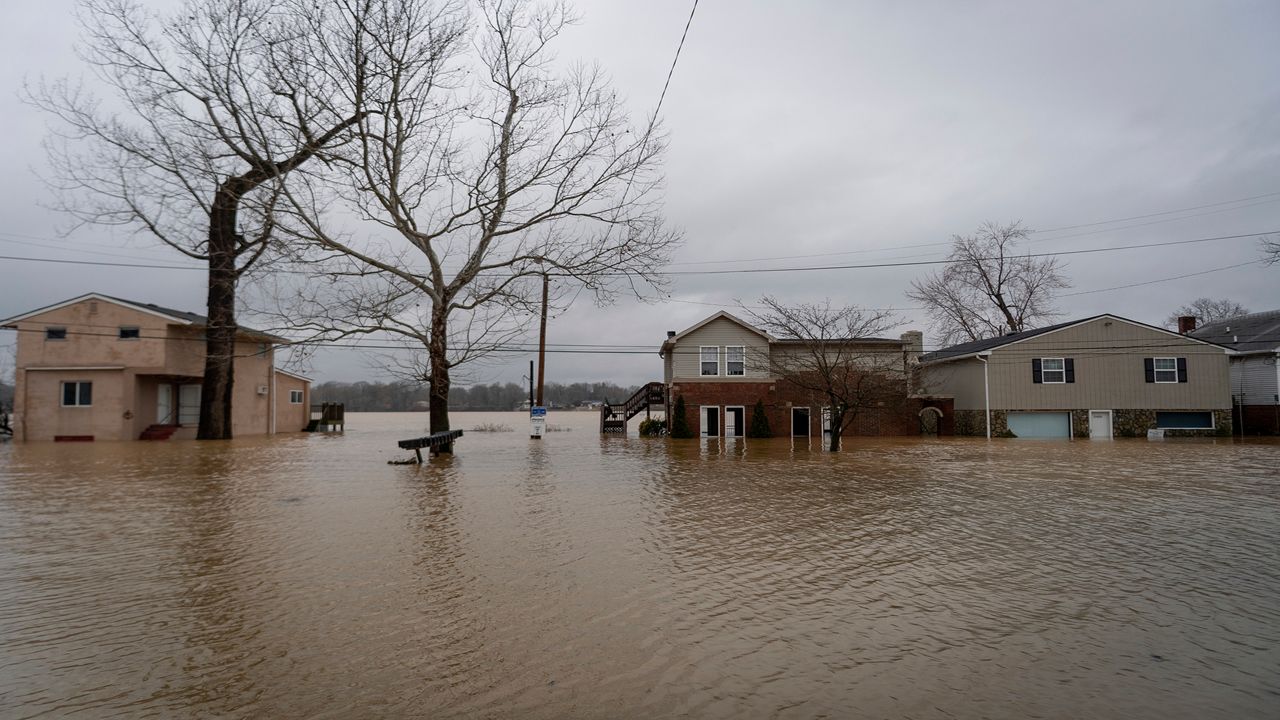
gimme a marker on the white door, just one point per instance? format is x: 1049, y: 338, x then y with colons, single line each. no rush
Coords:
x: 826, y: 421
x: 189, y: 404
x: 164, y: 404
x: 733, y: 421
x: 1100, y: 424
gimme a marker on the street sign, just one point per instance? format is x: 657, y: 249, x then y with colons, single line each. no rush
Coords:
x: 537, y: 422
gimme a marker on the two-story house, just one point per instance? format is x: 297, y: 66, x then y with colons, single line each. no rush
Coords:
x: 723, y: 365
x: 1100, y: 377
x: 1255, y: 366
x: 101, y: 368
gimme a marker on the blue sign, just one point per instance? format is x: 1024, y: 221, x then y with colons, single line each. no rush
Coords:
x: 538, y: 412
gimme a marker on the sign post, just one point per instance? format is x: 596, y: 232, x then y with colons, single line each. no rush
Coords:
x: 537, y: 422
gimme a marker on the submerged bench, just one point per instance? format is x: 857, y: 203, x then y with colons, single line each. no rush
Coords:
x: 435, y: 442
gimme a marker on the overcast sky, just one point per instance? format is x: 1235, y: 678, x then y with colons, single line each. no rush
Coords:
x: 854, y: 128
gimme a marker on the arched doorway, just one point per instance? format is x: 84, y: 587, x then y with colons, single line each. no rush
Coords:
x: 931, y: 421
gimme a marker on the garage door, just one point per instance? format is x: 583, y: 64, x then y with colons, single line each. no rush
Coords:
x: 1040, y: 424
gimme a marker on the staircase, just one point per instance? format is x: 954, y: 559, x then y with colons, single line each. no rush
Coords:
x: 158, y: 432
x: 614, y: 419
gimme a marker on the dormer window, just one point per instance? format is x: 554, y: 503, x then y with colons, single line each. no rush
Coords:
x: 55, y: 333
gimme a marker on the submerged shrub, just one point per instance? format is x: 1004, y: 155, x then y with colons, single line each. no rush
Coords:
x: 653, y: 427
x: 679, y: 423
x: 759, y: 422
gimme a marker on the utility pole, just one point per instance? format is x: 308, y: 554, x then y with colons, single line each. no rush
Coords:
x: 530, y: 385
x: 542, y: 337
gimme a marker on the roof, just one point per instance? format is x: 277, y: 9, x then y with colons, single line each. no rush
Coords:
x: 178, y: 317
x: 1257, y: 332
x: 722, y: 314
x: 976, y: 347
x: 293, y: 375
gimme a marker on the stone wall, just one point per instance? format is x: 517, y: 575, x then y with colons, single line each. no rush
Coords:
x: 1136, y: 423
x: 973, y: 423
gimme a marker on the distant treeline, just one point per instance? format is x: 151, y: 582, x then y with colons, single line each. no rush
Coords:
x: 405, y: 396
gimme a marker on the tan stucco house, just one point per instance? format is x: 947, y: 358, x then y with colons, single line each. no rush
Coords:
x: 1102, y: 377
x: 101, y: 368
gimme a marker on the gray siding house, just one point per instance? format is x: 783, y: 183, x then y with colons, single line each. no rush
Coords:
x: 1255, y: 368
x: 1101, y: 377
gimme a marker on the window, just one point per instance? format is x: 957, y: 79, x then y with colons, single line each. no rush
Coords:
x: 1166, y: 369
x: 1184, y: 420
x: 295, y: 397
x: 130, y: 333
x: 77, y: 394
x: 710, y: 360
x: 1053, y: 370
x: 55, y: 333
x: 735, y: 360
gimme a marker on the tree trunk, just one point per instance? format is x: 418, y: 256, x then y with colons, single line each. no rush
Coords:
x: 438, y: 385
x: 220, y: 333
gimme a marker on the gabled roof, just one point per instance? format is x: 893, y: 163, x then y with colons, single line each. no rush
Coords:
x: 722, y: 314
x: 1258, y: 332
x: 975, y: 347
x: 176, y: 317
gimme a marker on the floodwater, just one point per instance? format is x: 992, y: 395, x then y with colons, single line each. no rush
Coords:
x: 588, y: 577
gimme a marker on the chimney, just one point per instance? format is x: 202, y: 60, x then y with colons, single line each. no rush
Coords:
x: 1186, y: 323
x: 912, y: 344
x: 671, y: 334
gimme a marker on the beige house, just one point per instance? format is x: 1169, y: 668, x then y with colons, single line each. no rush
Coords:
x: 102, y: 368
x: 1100, y: 377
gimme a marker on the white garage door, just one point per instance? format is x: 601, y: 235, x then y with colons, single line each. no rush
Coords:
x: 1040, y: 424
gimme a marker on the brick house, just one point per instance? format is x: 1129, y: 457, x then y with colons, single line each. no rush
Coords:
x: 722, y: 367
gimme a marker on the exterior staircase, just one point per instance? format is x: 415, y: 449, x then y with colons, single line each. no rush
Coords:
x: 158, y: 432
x: 614, y: 419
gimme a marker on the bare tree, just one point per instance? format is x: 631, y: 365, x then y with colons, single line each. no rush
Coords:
x: 480, y: 168
x: 1207, y: 310
x: 835, y: 353
x: 213, y: 105
x: 987, y: 288
x: 1271, y: 250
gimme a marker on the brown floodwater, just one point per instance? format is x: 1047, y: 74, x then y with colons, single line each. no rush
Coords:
x: 589, y: 577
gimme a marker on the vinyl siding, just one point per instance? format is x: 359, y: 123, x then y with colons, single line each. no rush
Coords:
x: 1109, y: 374
x: 719, y: 333
x: 1254, y: 378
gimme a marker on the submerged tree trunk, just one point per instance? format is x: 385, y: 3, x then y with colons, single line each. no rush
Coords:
x: 220, y: 333
x: 837, y: 425
x: 438, y: 382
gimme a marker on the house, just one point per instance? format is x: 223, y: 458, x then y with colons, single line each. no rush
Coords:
x: 101, y: 368
x: 723, y: 365
x: 1101, y: 377
x: 1255, y: 366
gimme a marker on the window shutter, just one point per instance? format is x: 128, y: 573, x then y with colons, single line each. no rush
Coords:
x: 1182, y: 370
x: 1150, y: 365
x: 1069, y: 364
x: 1035, y: 370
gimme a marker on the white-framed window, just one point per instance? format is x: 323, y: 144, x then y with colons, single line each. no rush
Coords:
x: 735, y: 360
x: 1166, y: 369
x: 708, y: 360
x: 77, y: 393
x: 295, y: 397
x: 55, y: 333
x: 129, y: 333
x: 1053, y: 370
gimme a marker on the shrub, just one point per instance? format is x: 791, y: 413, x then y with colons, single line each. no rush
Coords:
x: 491, y: 427
x: 679, y: 423
x: 759, y: 422
x: 653, y: 427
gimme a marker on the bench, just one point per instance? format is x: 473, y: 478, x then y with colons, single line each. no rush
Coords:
x: 435, y: 442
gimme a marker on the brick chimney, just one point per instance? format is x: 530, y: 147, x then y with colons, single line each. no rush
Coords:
x: 1186, y: 323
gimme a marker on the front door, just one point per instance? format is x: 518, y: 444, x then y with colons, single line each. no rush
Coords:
x: 733, y: 421
x: 1100, y: 424
x: 800, y: 422
x: 164, y: 404
x: 710, y: 421
x: 189, y: 404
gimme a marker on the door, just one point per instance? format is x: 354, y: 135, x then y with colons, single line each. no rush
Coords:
x: 164, y: 404
x: 733, y: 421
x: 826, y: 422
x: 710, y: 421
x: 1040, y: 424
x: 189, y: 404
x: 1100, y: 424
x: 800, y: 422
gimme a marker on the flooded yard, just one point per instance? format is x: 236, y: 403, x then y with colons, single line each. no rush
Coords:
x: 581, y: 576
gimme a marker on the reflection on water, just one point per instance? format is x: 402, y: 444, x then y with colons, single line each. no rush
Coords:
x: 580, y: 576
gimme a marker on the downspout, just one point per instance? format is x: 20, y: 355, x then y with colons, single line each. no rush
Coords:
x: 271, y: 423
x: 986, y: 389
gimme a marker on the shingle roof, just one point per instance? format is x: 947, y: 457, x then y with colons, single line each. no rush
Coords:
x: 1247, y: 333
x: 190, y: 317
x: 977, y: 346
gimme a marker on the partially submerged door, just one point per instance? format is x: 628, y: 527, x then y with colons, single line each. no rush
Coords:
x: 189, y: 404
x: 800, y: 422
x: 733, y: 421
x: 710, y: 421
x: 1100, y: 424
x: 1040, y: 424
x: 164, y: 404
